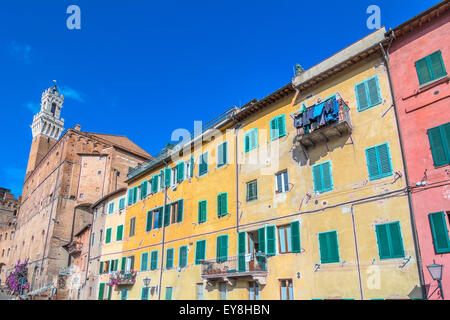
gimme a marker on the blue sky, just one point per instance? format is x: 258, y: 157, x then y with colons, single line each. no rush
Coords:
x: 144, y: 68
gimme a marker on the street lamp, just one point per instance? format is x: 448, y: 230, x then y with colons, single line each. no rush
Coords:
x: 436, y: 273
x: 146, y: 281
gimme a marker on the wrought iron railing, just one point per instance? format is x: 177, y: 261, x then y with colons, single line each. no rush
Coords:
x: 242, y: 264
x: 122, y: 279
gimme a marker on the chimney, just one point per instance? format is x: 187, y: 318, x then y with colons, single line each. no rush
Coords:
x: 77, y: 127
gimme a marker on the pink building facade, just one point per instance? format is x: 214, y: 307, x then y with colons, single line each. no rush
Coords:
x: 420, y: 66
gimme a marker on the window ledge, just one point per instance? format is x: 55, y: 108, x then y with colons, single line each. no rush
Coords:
x: 427, y: 86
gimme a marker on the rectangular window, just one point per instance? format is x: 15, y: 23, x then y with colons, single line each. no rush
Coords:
x: 222, y: 204
x: 253, y: 290
x: 203, y: 164
x: 130, y: 264
x: 322, y: 177
x: 121, y: 203
x: 222, y: 248
x: 328, y: 246
x: 169, y: 291
x: 278, y: 127
x: 439, y: 138
x: 119, y: 233
x: 148, y: 225
x: 108, y: 235
x: 251, y: 140
x: 281, y: 182
x: 144, y: 261
x: 223, y: 290
x: 287, y: 289
x: 439, y: 230
x: 169, y: 258
x: 202, y: 208
x: 174, y: 210
x: 200, y: 294
x: 188, y: 169
x: 154, y: 260
x: 111, y: 208
x: 144, y: 293
x: 222, y: 154
x: 183, y: 256
x: 430, y: 68
x: 368, y: 93
x: 284, y: 239
x: 389, y: 240
x: 132, y: 226
x: 157, y: 218
x: 124, y: 294
x: 174, y: 176
x: 252, y: 190
x: 379, y: 162
x: 143, y: 188
x: 161, y: 180
x: 200, y: 251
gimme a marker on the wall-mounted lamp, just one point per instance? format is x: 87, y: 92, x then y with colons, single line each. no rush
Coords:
x: 436, y: 273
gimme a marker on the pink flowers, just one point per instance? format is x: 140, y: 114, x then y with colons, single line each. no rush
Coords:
x: 17, y: 280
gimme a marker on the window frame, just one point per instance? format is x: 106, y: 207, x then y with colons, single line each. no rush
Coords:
x: 366, y: 87
x: 248, y: 134
x: 283, y: 183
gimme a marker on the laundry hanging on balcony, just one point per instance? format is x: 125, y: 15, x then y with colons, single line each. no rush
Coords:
x: 316, y: 115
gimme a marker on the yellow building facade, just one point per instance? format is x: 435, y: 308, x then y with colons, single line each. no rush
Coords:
x: 262, y: 205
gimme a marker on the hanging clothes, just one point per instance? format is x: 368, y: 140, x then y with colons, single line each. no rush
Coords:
x: 318, y: 109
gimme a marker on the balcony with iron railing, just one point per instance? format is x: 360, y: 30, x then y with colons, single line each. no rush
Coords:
x: 317, y: 133
x: 118, y: 279
x: 242, y: 266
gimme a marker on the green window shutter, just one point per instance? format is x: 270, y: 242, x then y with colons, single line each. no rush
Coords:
x: 222, y: 248
x: 143, y: 190
x: 167, y: 215
x: 281, y: 125
x: 317, y: 178
x: 180, y: 171
x: 222, y: 154
x: 169, y: 258
x: 322, y: 177
x: 378, y: 162
x: 422, y: 71
x: 396, y: 240
x: 202, y: 207
x: 154, y: 181
x: 116, y: 265
x: 154, y: 260
x: 328, y: 244
x: 361, y: 96
x: 372, y: 162
x: 108, y: 235
x: 167, y: 176
x: 439, y: 138
x: 270, y: 240
x: 160, y: 217
x: 440, y: 232
x: 241, y: 252
x: 100, y: 271
x: 168, y: 295
x: 203, y: 165
x: 222, y: 204
x: 182, y: 261
x: 101, y: 290
x: 119, y: 233
x: 200, y: 251
x: 135, y: 194
x: 278, y: 127
x: 262, y: 239
x: 295, y: 236
x: 437, y: 65
x: 373, y: 89
x: 130, y: 197
x: 144, y: 261
x: 148, y: 226
x: 192, y: 167
x: 389, y: 241
x: 122, y: 267
x: 180, y: 210
x: 246, y: 143
x: 122, y: 204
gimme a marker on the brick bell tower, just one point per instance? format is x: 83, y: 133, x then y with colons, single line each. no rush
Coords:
x: 46, y: 127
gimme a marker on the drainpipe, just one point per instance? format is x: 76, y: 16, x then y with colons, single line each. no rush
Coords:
x: 357, y: 251
x: 402, y: 149
x: 236, y: 161
x: 163, y: 237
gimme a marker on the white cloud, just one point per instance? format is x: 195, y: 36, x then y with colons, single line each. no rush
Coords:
x: 72, y: 94
x: 33, y: 107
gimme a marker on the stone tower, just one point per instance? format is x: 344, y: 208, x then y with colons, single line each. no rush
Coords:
x: 46, y: 127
